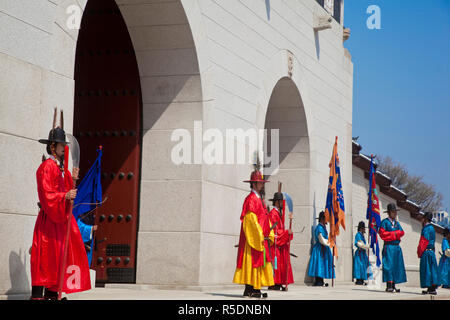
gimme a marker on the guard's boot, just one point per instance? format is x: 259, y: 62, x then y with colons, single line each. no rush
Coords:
x: 248, y: 290
x: 395, y: 289
x: 258, y: 294
x: 37, y: 293
x: 318, y: 282
x: 50, y: 295
x: 432, y: 290
x: 389, y: 287
x: 276, y: 287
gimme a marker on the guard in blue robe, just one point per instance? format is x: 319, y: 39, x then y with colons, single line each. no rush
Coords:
x: 321, y: 261
x: 390, y: 232
x: 86, y: 231
x: 444, y: 262
x: 425, y: 251
x: 360, y: 259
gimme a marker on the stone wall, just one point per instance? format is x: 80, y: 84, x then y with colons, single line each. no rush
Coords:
x: 210, y: 60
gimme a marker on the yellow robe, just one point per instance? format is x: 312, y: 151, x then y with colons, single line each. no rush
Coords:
x: 256, y: 277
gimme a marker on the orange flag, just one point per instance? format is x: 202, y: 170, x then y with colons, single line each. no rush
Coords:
x: 335, y: 208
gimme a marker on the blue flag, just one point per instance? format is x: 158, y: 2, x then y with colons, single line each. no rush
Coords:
x: 90, y: 189
x: 88, y: 195
x: 373, y: 213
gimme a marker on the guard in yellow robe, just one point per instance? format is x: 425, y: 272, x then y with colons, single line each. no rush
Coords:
x: 254, y: 267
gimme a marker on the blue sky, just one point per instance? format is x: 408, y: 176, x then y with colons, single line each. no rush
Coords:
x: 401, y: 91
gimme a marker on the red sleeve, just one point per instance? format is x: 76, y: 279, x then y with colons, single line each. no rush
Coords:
x: 283, y: 237
x: 423, y: 243
x: 387, y: 235
x: 399, y: 234
x: 53, y: 201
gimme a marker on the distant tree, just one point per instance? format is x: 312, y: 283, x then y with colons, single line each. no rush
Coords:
x: 417, y: 190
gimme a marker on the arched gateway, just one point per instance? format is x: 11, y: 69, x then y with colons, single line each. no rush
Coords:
x: 137, y: 79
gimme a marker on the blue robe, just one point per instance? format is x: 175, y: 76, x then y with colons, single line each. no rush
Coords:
x: 428, y: 263
x: 360, y: 259
x: 86, y: 235
x: 393, y: 264
x: 444, y: 265
x: 321, y: 262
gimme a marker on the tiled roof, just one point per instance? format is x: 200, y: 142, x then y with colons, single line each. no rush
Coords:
x: 385, y: 182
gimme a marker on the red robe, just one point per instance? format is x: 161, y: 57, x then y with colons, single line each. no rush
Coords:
x: 253, y: 203
x: 50, y: 233
x: 280, y: 249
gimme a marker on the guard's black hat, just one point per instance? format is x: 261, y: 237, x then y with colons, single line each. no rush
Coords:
x: 277, y: 196
x: 321, y: 215
x: 361, y: 225
x: 428, y: 216
x: 55, y: 135
x: 391, y: 207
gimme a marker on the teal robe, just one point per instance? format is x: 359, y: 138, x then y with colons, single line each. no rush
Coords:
x: 444, y: 265
x: 393, y: 264
x: 321, y: 261
x: 360, y: 259
x: 86, y: 235
x: 428, y: 263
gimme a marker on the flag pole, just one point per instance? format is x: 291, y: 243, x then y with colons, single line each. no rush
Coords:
x: 370, y: 214
x: 332, y: 274
x: 63, y: 261
x: 288, y: 259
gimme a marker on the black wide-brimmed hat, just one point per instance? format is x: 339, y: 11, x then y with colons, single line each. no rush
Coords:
x: 56, y: 134
x: 391, y: 207
x: 321, y: 215
x: 361, y: 224
x: 277, y: 196
x: 428, y: 216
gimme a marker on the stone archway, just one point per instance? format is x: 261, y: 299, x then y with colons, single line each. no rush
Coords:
x: 108, y: 113
x: 171, y: 97
x: 286, y: 113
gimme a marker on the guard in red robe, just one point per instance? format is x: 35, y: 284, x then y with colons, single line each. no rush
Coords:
x: 55, y: 191
x: 280, y: 251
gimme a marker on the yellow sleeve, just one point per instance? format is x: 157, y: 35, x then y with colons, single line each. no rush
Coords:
x: 271, y: 234
x: 253, y: 231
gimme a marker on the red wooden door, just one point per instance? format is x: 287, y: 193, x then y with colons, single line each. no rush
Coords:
x: 107, y: 112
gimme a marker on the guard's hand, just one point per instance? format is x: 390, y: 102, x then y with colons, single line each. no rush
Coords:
x: 75, y: 173
x: 94, y: 227
x: 290, y: 232
x: 71, y: 194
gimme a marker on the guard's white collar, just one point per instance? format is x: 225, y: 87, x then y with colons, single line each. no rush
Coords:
x: 256, y: 192
x: 54, y: 159
x: 57, y: 162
